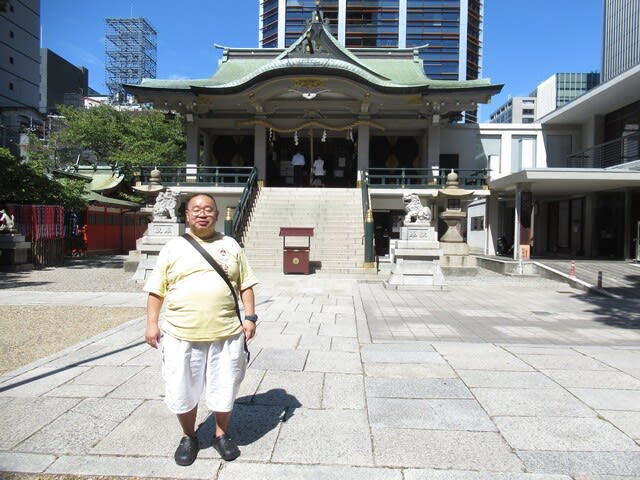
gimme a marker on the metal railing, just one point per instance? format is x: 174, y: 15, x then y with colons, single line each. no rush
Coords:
x: 609, y: 154
x: 245, y: 204
x: 210, y: 176
x: 364, y: 189
x: 368, y: 223
x: 422, y: 178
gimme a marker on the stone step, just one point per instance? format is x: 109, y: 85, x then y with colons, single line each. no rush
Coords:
x: 261, y: 233
x: 326, y: 266
x: 334, y: 214
x: 268, y: 254
x: 301, y: 192
x: 306, y: 222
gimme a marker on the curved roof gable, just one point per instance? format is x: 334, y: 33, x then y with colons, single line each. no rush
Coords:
x: 315, y: 52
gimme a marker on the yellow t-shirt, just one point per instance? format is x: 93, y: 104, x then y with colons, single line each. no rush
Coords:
x: 199, y: 304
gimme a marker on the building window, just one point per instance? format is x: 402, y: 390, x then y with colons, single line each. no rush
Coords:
x: 10, y: 85
x: 11, y: 35
x: 11, y: 60
x: 477, y: 223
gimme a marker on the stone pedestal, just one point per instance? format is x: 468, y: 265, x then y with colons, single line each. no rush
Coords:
x: 456, y: 260
x: 149, y: 246
x: 416, y: 259
x: 14, y: 253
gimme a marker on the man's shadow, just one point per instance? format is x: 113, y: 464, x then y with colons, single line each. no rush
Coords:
x: 253, y: 417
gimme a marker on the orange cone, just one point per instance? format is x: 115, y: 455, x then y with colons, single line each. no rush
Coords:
x: 572, y: 269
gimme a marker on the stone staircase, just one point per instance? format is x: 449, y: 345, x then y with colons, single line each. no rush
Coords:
x: 335, y: 214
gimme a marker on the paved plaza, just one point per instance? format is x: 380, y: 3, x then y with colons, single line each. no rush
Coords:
x: 494, y: 377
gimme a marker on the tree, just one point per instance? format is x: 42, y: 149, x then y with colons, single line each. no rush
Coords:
x: 28, y: 182
x: 150, y: 139
x: 131, y: 139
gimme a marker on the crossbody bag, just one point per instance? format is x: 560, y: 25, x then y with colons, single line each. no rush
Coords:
x: 224, y: 276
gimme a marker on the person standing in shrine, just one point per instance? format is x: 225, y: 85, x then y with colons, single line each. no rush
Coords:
x: 202, y: 338
x: 298, y: 162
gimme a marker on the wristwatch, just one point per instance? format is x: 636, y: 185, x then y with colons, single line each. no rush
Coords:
x: 251, y: 318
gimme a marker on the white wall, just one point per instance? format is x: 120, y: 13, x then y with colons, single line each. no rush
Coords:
x: 546, y: 96
x: 464, y: 141
x: 476, y: 239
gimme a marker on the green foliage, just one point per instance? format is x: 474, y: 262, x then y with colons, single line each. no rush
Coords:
x: 152, y: 140
x: 28, y: 182
x: 131, y: 139
x: 99, y: 129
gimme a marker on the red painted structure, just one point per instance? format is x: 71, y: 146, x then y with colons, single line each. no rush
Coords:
x: 112, y: 229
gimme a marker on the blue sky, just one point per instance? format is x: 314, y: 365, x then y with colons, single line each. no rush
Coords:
x: 524, y: 42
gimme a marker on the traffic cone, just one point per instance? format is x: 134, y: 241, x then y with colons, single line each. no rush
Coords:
x: 572, y: 269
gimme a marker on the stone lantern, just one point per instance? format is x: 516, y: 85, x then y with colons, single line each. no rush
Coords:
x: 453, y: 243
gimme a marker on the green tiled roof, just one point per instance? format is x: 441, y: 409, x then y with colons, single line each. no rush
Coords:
x: 390, y: 70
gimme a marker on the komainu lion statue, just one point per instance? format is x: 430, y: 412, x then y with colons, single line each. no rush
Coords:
x: 415, y: 211
x: 7, y: 222
x: 165, y: 207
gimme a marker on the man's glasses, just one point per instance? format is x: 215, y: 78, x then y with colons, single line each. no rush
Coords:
x: 206, y: 210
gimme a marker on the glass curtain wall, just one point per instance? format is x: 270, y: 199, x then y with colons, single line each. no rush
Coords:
x: 372, y: 23
x: 299, y: 12
x: 438, y: 25
x: 269, y: 24
x: 572, y: 85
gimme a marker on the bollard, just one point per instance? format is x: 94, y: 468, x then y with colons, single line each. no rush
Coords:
x: 369, y: 229
x: 599, y: 284
x: 572, y: 269
x: 228, y: 222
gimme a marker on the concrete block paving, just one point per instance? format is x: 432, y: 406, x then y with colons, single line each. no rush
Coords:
x: 533, y: 380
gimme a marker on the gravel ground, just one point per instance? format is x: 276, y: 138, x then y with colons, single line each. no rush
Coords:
x: 28, y: 333
x: 99, y: 273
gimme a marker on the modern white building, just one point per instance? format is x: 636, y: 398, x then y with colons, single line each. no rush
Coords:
x: 556, y: 91
x: 621, y: 37
x: 516, y: 110
x: 578, y: 192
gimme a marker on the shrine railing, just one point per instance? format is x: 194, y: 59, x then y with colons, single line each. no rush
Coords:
x: 422, y: 178
x: 186, y: 175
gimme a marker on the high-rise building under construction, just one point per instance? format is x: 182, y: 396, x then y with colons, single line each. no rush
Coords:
x: 130, y: 51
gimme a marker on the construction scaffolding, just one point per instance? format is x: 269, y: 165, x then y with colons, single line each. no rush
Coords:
x: 130, y: 50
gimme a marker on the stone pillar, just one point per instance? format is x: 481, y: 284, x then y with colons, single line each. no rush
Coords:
x: 364, y: 132
x: 260, y: 151
x: 193, y: 145
x: 524, y: 208
x: 492, y: 219
x: 628, y: 226
x: 423, y: 150
x: 433, y: 155
x: 207, y: 151
x: 14, y: 252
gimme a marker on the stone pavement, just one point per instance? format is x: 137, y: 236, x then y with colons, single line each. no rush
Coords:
x: 495, y: 377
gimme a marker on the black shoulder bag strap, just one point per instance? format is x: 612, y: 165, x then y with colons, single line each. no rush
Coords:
x: 224, y: 276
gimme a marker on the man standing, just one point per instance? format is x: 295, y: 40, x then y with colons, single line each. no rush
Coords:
x: 202, y: 339
x: 298, y: 168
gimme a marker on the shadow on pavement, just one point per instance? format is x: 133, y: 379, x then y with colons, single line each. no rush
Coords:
x: 253, y: 417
